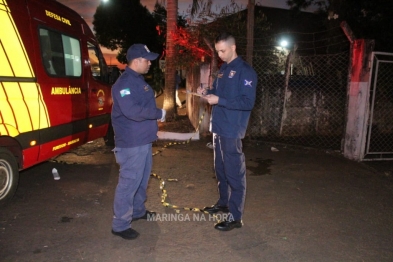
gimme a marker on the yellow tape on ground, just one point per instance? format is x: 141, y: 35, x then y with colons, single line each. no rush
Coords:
x: 164, y: 194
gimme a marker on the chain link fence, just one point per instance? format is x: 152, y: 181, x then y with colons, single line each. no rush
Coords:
x: 380, y: 128
x: 301, y: 100
x: 301, y: 94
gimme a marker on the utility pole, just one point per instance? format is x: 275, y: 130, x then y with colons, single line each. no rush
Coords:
x: 358, y: 95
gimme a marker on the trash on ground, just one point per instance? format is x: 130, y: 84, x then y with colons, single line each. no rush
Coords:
x: 172, y: 179
x: 56, y: 175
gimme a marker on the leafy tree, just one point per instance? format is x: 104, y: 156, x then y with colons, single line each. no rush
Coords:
x: 371, y: 19
x: 160, y: 16
x: 195, y: 44
x: 119, y: 24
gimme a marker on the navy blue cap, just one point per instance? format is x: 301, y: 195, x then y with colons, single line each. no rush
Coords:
x: 140, y: 50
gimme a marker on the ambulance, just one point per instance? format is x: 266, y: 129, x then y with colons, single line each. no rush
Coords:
x: 54, y: 86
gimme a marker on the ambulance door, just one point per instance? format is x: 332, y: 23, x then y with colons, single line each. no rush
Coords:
x: 99, y: 93
x: 56, y: 36
x: 64, y: 91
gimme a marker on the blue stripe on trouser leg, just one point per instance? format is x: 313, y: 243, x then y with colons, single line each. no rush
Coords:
x: 230, y: 167
x: 220, y: 172
x: 135, y: 168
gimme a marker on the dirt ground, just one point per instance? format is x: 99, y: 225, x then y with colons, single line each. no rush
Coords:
x: 301, y: 205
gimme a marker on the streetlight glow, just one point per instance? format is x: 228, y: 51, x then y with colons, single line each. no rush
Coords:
x: 284, y: 43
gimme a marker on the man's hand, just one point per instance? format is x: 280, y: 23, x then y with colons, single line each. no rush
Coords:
x: 211, y: 99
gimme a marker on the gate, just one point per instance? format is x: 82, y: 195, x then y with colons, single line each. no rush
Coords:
x: 379, y: 138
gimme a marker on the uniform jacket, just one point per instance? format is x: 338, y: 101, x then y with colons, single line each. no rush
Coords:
x: 235, y: 85
x: 134, y: 112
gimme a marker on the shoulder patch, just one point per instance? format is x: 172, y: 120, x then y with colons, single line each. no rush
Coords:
x: 125, y: 92
x: 247, y: 83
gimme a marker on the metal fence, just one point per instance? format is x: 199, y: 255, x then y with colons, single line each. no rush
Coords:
x: 301, y: 101
x: 379, y: 144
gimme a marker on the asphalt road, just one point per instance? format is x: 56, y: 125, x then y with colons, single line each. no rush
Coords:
x: 301, y: 205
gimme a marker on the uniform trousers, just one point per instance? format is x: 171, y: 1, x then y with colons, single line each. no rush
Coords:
x: 130, y: 195
x: 230, y: 168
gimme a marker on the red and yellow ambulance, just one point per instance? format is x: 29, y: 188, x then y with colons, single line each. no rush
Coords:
x: 54, y: 86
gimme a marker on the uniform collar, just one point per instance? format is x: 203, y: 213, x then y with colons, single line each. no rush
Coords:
x: 129, y: 70
x: 235, y: 62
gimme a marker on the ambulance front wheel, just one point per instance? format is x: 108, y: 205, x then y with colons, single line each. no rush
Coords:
x: 9, y: 176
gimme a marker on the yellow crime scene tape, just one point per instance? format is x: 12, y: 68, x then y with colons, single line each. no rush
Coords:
x: 164, y: 192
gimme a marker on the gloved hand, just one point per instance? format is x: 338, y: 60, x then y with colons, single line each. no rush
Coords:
x: 163, y: 115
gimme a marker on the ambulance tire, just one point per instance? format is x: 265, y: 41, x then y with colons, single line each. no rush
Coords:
x: 9, y: 176
x: 109, y: 138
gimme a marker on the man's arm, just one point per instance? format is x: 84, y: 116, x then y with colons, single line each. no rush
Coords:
x: 128, y: 102
x: 245, y: 99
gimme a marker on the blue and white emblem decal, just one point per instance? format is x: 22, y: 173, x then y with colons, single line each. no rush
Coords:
x: 247, y: 83
x: 231, y: 74
x: 125, y: 92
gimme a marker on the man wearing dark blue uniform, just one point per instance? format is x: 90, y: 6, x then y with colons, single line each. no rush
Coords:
x: 134, y: 120
x: 232, y: 97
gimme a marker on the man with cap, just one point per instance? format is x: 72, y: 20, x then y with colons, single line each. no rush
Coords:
x: 134, y: 120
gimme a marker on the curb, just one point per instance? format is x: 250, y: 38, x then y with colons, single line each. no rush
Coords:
x: 177, y: 136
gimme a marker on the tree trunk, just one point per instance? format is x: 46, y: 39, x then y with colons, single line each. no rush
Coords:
x: 170, y: 67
